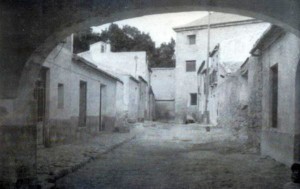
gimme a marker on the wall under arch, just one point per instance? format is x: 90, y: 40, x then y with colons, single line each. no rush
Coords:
x: 54, y: 21
x: 31, y: 29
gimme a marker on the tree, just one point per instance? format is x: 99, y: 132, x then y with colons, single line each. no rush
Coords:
x: 165, y: 55
x: 82, y: 40
x: 126, y: 39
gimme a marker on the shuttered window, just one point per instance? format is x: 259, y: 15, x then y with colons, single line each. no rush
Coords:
x: 60, y: 96
x: 192, y: 39
x: 191, y: 66
x: 193, y: 99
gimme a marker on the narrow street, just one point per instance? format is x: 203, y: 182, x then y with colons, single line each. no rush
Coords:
x: 159, y: 158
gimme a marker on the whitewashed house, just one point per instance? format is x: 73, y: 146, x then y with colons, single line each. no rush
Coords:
x: 191, y: 51
x: 133, y: 69
x: 278, y: 54
x: 225, y: 59
x: 75, y: 100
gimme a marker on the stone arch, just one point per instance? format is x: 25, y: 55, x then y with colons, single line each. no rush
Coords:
x: 31, y: 29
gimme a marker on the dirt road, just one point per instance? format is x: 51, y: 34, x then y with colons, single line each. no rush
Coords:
x: 176, y: 163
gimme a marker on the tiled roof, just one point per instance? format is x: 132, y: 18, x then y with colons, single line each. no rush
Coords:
x: 216, y: 18
x: 93, y: 66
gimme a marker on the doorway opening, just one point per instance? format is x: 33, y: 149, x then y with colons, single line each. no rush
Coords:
x: 40, y: 97
x: 274, y: 95
x: 102, y: 107
x: 82, y: 103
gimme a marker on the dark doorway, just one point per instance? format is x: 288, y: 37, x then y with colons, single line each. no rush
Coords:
x: 40, y: 95
x: 274, y: 95
x: 102, y: 107
x: 82, y: 103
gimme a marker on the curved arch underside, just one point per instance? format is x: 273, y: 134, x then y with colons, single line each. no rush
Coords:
x: 31, y: 29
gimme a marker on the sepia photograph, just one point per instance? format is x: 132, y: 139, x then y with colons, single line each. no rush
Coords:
x: 140, y: 94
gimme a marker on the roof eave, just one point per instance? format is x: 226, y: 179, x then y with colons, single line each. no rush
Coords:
x: 91, y: 65
x: 218, y: 25
x: 142, y: 79
x: 273, y: 32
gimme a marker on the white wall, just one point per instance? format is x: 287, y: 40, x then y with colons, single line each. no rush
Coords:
x: 279, y: 142
x: 163, y: 83
x: 63, y: 70
x: 62, y: 123
x: 132, y: 63
x: 198, y: 52
x: 131, y: 97
x: 143, y: 100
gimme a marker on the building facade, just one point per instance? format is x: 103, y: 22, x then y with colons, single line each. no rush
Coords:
x: 74, y: 99
x: 133, y: 69
x: 191, y: 51
x: 131, y: 63
x: 225, y: 59
x: 163, y: 85
x: 279, y: 53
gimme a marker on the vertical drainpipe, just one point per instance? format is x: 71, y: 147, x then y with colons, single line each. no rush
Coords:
x: 207, y: 70
x: 148, y: 89
x: 135, y: 58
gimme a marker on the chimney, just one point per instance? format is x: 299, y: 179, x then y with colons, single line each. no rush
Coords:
x: 108, y: 46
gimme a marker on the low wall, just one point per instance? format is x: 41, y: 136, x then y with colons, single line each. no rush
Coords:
x: 255, y: 86
x: 17, y: 155
x: 240, y: 103
x: 165, y: 110
x: 68, y: 131
x: 278, y: 145
x: 233, y: 106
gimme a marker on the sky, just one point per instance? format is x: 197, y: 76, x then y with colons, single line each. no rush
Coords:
x: 159, y: 26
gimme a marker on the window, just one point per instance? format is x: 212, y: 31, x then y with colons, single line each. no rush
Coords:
x: 102, y: 48
x: 274, y: 95
x: 60, y: 96
x: 190, y: 66
x: 193, y: 99
x: 192, y: 39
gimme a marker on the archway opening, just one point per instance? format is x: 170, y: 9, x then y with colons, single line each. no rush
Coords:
x: 33, y: 65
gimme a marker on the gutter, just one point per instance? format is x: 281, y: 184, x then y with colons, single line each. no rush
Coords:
x: 141, y: 78
x: 214, y: 50
x: 201, y: 67
x: 134, y: 79
x: 219, y: 25
x: 273, y: 32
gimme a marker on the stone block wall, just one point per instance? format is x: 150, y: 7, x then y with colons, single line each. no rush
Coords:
x: 239, y: 102
x: 255, y: 85
x: 233, y: 105
x: 17, y: 155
